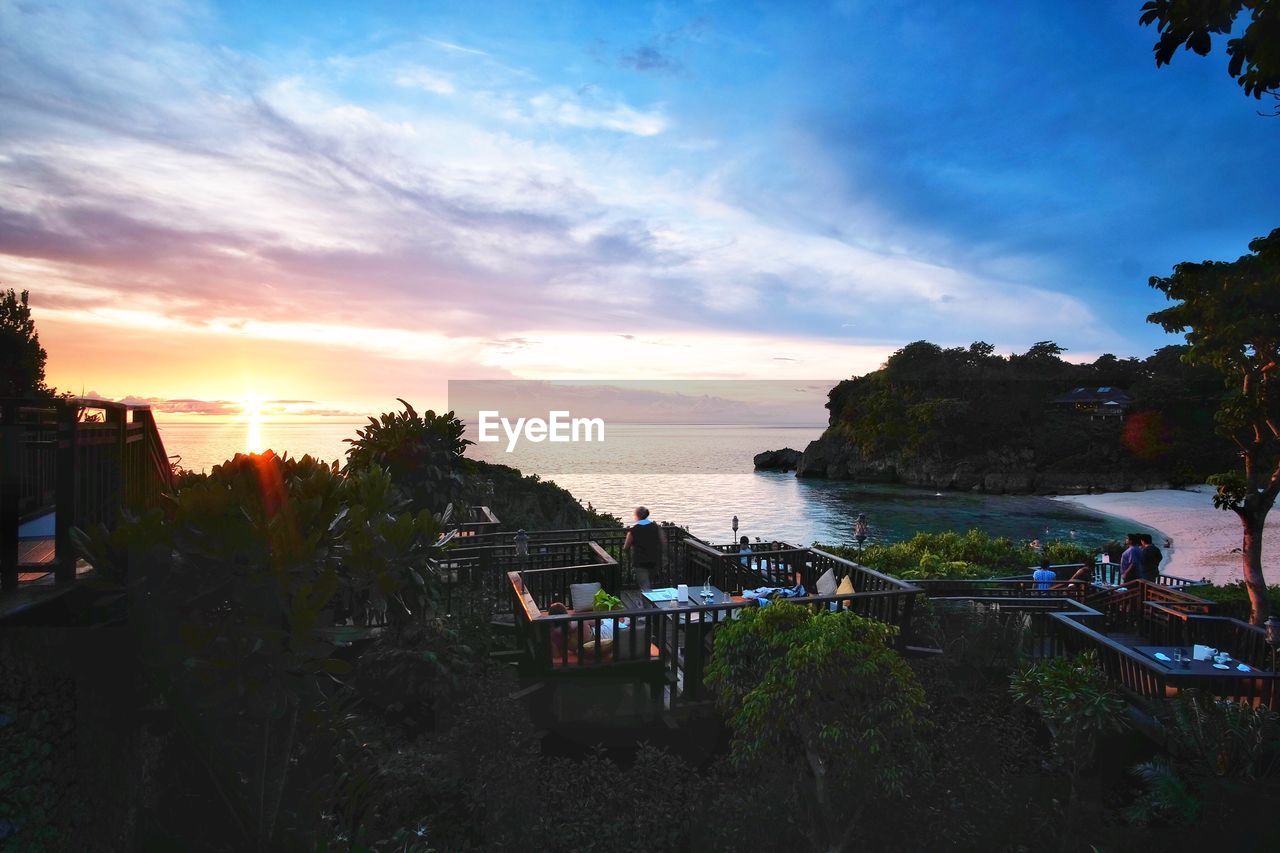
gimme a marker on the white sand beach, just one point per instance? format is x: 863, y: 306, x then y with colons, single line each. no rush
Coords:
x: 1206, y: 541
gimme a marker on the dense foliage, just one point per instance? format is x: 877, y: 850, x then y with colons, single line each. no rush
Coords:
x: 531, y: 503
x: 824, y: 699
x: 21, y: 356
x: 1230, y: 311
x: 1254, y: 59
x: 237, y: 591
x: 1075, y: 697
x: 952, y: 555
x: 1232, y: 599
x: 928, y: 402
x: 423, y: 453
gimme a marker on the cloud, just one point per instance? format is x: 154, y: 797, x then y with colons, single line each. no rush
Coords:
x: 648, y: 57
x: 572, y: 110
x: 427, y: 80
x: 530, y: 221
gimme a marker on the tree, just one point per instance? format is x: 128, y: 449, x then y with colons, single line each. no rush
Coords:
x: 1254, y: 55
x: 1230, y: 311
x: 21, y: 356
x: 823, y: 700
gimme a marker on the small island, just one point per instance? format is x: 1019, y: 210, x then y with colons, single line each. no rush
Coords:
x: 965, y: 418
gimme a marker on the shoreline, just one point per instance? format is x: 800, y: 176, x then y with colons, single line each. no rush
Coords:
x: 1206, y: 540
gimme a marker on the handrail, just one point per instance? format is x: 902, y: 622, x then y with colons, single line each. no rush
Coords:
x: 84, y: 471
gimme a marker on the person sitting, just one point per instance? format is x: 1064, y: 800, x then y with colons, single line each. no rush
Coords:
x: 1044, y: 576
x: 564, y: 636
x: 744, y: 550
x: 1083, y: 577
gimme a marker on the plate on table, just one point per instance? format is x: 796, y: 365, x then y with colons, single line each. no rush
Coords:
x: 1221, y: 666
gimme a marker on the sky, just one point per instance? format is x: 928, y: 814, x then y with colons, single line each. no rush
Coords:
x: 331, y: 205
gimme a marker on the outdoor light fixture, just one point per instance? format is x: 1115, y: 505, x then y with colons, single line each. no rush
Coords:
x: 1272, y: 627
x: 522, y: 544
x: 735, y: 528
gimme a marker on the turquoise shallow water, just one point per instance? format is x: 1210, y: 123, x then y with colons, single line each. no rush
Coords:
x: 700, y: 476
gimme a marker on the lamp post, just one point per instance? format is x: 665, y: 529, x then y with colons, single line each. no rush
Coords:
x: 735, y: 530
x: 860, y: 531
x: 522, y: 546
x: 1272, y: 627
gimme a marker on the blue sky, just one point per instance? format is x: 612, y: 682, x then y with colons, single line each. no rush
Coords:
x: 374, y: 198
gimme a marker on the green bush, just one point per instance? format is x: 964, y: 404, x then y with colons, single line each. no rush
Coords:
x: 822, y: 700
x: 1225, y: 738
x: 1079, y: 704
x: 974, y: 554
x: 1232, y: 599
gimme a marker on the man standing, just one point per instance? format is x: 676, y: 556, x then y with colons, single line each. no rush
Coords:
x: 1151, y: 557
x: 1131, y: 559
x: 645, y: 542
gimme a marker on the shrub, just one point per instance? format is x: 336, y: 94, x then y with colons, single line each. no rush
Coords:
x: 1226, y: 738
x: 1232, y: 599
x: 974, y: 554
x: 422, y: 453
x: 1164, y: 796
x: 1080, y: 705
x: 821, y: 699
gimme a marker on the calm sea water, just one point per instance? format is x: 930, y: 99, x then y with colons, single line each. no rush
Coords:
x: 700, y: 477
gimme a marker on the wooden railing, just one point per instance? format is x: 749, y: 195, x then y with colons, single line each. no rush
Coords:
x: 1109, y: 573
x: 476, y: 521
x: 482, y: 571
x: 1149, y: 679
x: 85, y: 460
x: 675, y: 643
x: 1057, y: 623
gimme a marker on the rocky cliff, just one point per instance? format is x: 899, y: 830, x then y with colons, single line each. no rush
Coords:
x: 999, y: 471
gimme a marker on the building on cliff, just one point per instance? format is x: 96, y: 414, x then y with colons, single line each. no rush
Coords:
x: 1104, y: 403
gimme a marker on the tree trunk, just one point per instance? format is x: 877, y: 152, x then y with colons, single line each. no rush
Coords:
x: 1253, y: 518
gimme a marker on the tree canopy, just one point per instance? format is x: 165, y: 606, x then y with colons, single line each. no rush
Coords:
x: 21, y: 356
x: 1230, y: 312
x: 929, y: 401
x: 1253, y: 55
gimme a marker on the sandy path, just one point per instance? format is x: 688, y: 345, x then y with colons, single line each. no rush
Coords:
x: 1206, y: 541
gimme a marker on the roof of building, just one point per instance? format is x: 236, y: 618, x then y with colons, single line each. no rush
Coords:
x: 1105, y: 395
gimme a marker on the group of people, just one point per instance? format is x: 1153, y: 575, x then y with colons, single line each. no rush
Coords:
x: 1141, y: 559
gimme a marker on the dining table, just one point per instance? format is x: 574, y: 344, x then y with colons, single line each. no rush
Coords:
x: 1164, y: 655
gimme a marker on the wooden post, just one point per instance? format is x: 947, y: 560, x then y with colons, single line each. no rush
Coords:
x: 119, y: 494
x: 11, y: 433
x: 65, y: 501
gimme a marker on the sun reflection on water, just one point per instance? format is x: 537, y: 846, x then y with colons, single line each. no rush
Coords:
x: 252, y: 408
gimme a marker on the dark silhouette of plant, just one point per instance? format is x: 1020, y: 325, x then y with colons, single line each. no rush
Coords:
x: 21, y: 356
x: 932, y: 404
x: 1080, y: 706
x: 237, y: 589
x: 1226, y: 738
x: 422, y: 453
x: 1254, y: 54
x: 823, y: 700
x: 1163, y: 797
x: 1230, y: 311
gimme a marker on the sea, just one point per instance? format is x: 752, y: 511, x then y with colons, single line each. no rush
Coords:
x: 699, y: 476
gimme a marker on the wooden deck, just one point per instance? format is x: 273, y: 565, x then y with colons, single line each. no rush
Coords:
x: 35, y: 552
